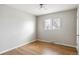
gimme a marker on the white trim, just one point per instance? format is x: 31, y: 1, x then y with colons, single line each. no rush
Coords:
x: 16, y: 47
x: 57, y: 43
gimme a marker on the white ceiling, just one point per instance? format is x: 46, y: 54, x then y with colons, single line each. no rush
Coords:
x: 49, y: 8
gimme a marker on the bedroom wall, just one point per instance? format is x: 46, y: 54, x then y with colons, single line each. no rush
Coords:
x: 16, y: 28
x: 67, y: 33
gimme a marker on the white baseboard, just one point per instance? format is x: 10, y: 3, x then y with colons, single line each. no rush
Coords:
x: 57, y: 43
x: 16, y: 47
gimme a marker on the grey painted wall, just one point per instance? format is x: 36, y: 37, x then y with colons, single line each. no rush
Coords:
x: 66, y: 35
x: 16, y: 27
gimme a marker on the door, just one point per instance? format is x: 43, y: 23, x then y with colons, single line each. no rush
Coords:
x: 78, y: 30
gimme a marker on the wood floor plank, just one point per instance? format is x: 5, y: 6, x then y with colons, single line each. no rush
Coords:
x: 42, y: 48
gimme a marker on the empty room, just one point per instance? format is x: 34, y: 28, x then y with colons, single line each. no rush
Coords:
x: 39, y: 29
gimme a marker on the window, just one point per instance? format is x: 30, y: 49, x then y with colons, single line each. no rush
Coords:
x: 48, y: 24
x: 52, y: 24
x: 56, y: 24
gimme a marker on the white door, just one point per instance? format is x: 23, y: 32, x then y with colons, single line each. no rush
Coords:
x: 78, y: 30
x: 78, y: 44
x: 78, y: 22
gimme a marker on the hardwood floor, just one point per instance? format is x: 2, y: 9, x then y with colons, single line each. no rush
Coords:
x: 42, y: 48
